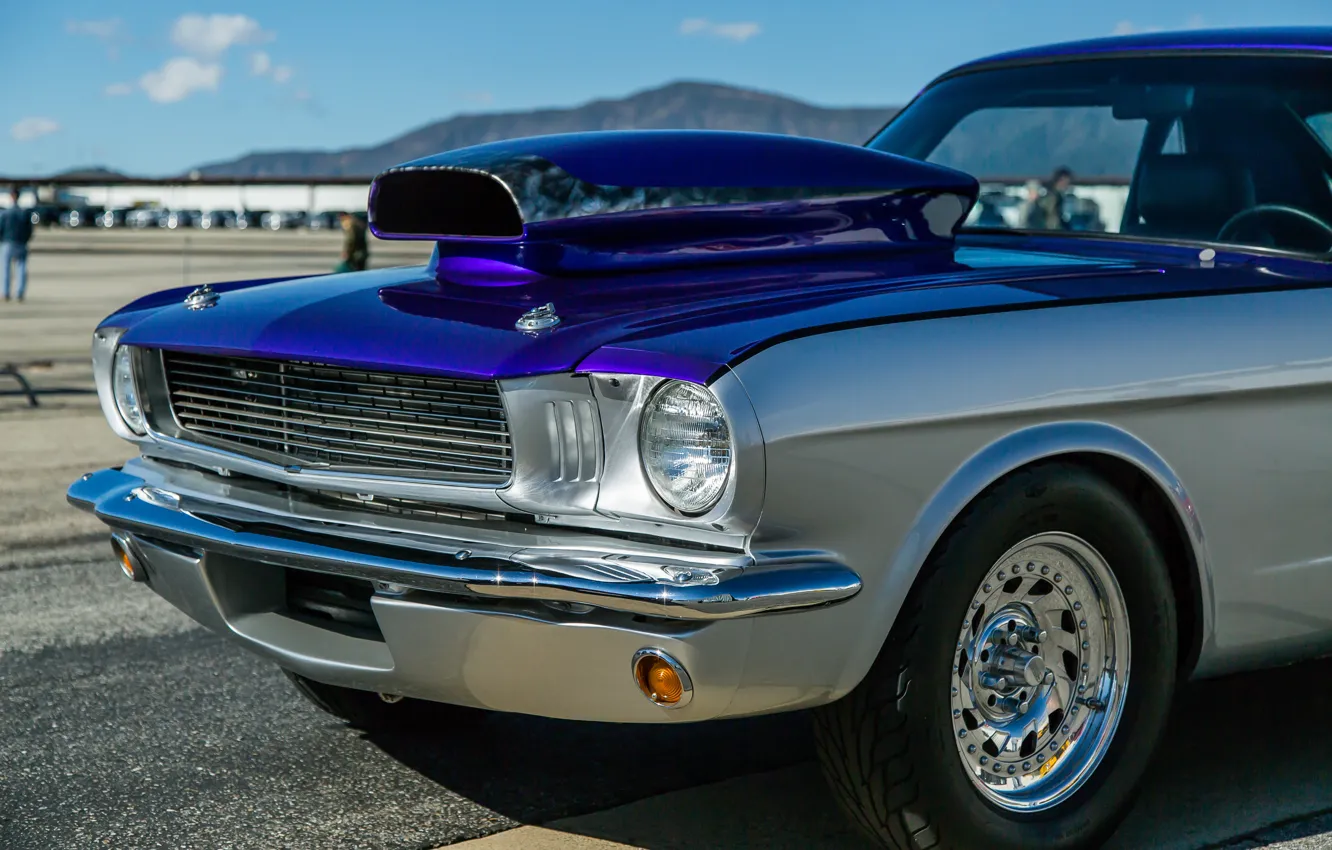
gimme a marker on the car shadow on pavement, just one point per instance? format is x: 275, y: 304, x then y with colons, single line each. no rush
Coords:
x: 1236, y: 760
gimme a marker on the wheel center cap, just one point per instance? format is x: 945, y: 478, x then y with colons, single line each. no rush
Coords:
x: 1011, y: 669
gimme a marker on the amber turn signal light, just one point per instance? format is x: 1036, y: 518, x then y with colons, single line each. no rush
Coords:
x: 129, y: 564
x: 661, y: 678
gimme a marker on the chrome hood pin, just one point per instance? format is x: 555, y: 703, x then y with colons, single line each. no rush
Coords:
x: 201, y: 298
x: 538, y: 318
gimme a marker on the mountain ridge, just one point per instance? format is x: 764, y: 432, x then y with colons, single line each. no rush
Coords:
x: 683, y: 104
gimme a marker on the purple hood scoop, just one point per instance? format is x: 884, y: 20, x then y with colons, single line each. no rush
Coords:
x: 595, y: 202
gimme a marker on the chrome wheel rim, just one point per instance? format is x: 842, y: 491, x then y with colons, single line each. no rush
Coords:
x: 1040, y: 673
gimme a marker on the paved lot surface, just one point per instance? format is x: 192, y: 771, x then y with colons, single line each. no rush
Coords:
x: 126, y: 726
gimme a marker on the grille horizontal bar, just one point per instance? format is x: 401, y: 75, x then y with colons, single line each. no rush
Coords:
x: 355, y: 420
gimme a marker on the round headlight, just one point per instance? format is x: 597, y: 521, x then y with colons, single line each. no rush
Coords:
x: 125, y: 392
x: 685, y: 444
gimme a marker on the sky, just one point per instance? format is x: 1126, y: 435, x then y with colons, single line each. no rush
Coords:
x: 151, y: 87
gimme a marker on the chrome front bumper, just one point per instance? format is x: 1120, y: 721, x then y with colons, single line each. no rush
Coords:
x: 544, y: 622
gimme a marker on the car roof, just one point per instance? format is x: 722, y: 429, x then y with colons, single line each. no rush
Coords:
x: 1302, y: 40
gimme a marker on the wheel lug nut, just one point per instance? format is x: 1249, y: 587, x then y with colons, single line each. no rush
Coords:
x: 1045, y: 571
x: 1001, y: 575
x: 1085, y: 665
x: 1032, y: 634
x: 957, y: 712
x: 984, y: 759
x: 987, y: 587
x: 1040, y: 757
x: 1068, y: 591
x: 1026, y: 765
x: 961, y: 733
x: 1012, y: 769
x: 971, y: 748
x: 1082, y: 624
x: 994, y: 682
x: 1048, y: 678
x: 1031, y: 568
x: 1086, y: 644
x: 1058, y: 577
x: 1077, y: 606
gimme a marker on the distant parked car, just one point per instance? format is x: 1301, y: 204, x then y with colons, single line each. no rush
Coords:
x: 173, y: 219
x: 45, y: 215
x: 282, y: 220
x: 80, y: 216
x: 144, y: 217
x: 249, y: 218
x: 112, y: 218
x: 217, y: 219
x: 326, y: 220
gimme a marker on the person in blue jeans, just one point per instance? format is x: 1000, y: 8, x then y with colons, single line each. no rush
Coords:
x: 15, y: 231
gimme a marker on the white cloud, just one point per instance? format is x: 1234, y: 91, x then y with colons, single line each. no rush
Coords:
x: 1195, y: 21
x: 107, y: 30
x: 260, y: 63
x: 28, y: 129
x: 1130, y: 28
x: 735, y: 31
x: 110, y: 32
x: 282, y: 74
x: 478, y: 97
x: 211, y: 36
x: 119, y: 89
x: 180, y: 77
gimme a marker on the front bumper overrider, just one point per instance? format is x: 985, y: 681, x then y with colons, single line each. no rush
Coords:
x: 535, y: 620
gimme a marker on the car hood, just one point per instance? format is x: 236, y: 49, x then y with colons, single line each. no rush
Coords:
x: 673, y: 324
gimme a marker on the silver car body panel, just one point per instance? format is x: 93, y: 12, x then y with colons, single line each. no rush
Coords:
x: 1224, y: 402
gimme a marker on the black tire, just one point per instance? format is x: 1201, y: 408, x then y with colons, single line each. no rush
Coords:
x: 368, y: 712
x: 888, y: 750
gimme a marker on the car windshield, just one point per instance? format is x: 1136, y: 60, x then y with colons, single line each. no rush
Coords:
x: 1214, y: 149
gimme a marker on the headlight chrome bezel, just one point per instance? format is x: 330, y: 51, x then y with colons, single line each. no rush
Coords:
x: 684, y: 393
x: 125, y: 390
x: 106, y: 342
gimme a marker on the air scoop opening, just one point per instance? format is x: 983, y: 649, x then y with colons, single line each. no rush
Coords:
x: 436, y: 203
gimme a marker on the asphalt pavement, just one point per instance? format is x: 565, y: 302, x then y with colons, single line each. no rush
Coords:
x: 124, y: 725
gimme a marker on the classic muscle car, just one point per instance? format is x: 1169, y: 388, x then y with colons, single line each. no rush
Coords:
x: 677, y: 426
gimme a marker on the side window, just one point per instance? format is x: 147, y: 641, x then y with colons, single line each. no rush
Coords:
x: 1045, y: 168
x: 1322, y: 127
x: 1174, y: 140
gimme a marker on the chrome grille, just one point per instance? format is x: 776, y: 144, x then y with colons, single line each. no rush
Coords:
x: 327, y: 417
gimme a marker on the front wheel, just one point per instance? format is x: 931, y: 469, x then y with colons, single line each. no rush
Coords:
x: 1025, y: 683
x: 371, y: 712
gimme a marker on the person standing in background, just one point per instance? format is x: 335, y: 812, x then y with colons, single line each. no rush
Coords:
x: 15, y: 232
x: 1050, y: 212
x: 355, y: 250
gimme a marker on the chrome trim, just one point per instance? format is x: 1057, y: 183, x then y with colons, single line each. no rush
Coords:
x: 685, y: 681
x: 778, y: 582
x: 556, y: 435
x: 314, y: 415
x: 122, y: 542
x: 538, y: 319
x: 104, y: 344
x: 202, y: 298
x: 626, y: 492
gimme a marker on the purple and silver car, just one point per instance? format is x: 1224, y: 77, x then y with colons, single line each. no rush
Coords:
x: 677, y: 426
